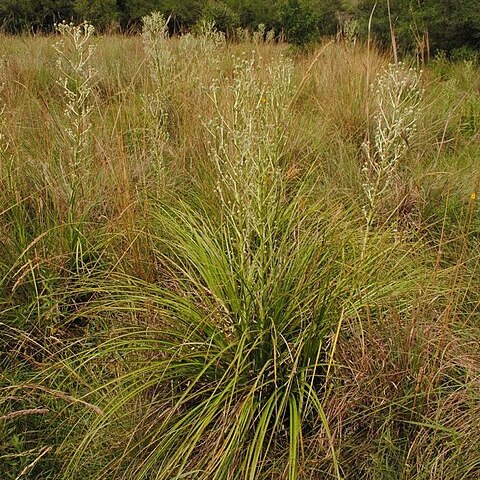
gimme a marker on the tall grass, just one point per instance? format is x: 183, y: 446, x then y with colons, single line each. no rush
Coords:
x: 213, y: 302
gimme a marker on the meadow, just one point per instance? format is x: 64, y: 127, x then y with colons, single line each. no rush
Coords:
x: 235, y: 261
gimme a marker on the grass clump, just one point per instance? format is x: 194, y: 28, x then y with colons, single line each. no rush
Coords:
x: 190, y: 287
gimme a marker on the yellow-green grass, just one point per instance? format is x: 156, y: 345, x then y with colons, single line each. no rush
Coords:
x: 212, y: 304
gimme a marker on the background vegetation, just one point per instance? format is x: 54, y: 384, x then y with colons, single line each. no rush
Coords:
x: 424, y: 25
x: 226, y: 260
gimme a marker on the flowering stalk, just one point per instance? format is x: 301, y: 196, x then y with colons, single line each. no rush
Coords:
x: 248, y: 143
x: 75, y: 54
x: 193, y: 48
x: 397, y: 96
x: 159, y: 58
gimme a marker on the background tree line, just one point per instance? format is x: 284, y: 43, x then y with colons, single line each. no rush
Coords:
x: 423, y: 25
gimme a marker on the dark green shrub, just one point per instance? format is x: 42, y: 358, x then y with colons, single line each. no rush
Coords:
x: 225, y: 19
x: 300, y: 22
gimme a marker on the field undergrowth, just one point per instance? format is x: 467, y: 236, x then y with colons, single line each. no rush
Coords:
x: 233, y: 261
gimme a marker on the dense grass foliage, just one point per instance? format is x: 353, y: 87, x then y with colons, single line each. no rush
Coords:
x: 229, y: 261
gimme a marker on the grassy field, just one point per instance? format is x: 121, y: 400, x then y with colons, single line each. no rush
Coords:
x: 236, y: 262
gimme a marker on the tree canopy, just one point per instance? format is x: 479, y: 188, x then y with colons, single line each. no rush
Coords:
x: 449, y: 25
